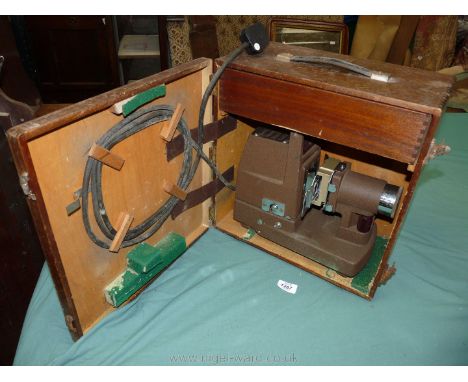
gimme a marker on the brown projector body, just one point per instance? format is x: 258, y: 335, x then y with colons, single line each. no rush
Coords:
x: 322, y: 211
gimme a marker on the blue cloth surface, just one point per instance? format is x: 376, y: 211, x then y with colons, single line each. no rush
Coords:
x: 220, y: 304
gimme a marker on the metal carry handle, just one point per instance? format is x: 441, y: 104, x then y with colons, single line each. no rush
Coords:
x: 373, y: 75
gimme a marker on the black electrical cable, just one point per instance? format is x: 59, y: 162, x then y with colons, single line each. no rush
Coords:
x: 201, y: 115
x: 136, y: 122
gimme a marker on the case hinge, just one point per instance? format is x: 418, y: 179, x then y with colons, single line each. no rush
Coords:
x: 70, y: 321
x: 212, y: 215
x: 24, y: 183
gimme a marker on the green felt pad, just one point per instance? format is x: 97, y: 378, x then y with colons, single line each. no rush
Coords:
x: 142, y: 98
x: 144, y: 262
x: 363, y: 279
x: 144, y: 257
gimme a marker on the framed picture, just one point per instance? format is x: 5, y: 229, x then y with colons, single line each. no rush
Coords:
x: 332, y: 37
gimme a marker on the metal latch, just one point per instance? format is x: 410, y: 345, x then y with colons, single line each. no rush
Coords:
x: 24, y: 183
x: 435, y: 150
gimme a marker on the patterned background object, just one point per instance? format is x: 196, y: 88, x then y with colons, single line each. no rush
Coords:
x: 179, y: 44
x: 434, y: 42
x: 228, y: 29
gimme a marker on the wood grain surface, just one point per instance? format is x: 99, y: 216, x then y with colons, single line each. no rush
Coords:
x: 409, y: 88
x: 389, y: 131
x: 53, y: 151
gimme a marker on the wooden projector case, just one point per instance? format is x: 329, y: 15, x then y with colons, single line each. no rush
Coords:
x: 384, y: 130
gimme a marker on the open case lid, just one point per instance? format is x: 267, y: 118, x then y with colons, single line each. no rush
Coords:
x: 50, y: 153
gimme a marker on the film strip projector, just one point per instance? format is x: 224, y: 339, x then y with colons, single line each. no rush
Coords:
x: 324, y: 211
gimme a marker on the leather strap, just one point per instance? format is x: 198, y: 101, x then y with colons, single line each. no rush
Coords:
x: 195, y: 197
x: 213, y: 131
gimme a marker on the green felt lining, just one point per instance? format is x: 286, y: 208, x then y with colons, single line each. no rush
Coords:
x: 142, y: 98
x: 144, y: 263
x: 362, y: 280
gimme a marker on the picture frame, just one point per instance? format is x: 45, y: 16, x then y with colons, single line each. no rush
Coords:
x: 322, y: 35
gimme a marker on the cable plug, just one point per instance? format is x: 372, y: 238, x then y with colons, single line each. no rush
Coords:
x: 256, y: 37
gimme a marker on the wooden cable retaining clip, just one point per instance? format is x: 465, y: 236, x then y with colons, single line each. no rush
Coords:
x: 169, y: 128
x: 105, y: 156
x: 123, y: 224
x: 174, y: 190
x: 76, y: 204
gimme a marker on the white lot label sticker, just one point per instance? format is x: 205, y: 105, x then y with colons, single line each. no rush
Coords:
x: 287, y: 287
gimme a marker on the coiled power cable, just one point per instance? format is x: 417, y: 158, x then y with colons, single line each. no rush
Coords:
x: 134, y: 123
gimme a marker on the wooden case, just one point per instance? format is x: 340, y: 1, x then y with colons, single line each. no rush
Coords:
x: 384, y: 130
